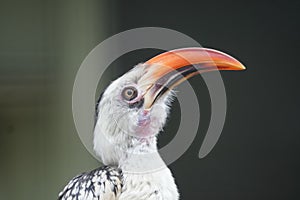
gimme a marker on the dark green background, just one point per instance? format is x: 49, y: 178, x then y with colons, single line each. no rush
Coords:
x: 43, y: 42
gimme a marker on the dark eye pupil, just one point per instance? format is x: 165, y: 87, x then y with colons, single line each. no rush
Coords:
x: 129, y: 93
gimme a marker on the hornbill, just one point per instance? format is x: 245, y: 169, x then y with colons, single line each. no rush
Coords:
x: 131, y: 112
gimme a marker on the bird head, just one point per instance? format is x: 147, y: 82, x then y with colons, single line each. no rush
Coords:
x: 133, y: 109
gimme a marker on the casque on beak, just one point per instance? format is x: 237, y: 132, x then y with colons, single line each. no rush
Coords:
x: 167, y: 70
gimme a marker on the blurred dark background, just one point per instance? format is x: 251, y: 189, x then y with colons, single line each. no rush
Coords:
x: 43, y: 42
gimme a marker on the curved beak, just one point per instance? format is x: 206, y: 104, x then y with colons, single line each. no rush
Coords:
x: 167, y: 70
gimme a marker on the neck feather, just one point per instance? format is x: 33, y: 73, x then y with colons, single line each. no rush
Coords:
x: 131, y: 154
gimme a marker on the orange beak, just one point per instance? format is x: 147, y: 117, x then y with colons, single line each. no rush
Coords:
x: 167, y: 70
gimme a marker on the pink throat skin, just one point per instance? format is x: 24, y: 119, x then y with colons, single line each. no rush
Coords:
x: 143, y: 127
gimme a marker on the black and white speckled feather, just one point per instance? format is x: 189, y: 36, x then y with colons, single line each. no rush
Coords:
x: 102, y: 183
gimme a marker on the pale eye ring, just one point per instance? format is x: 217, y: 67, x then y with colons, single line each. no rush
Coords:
x: 129, y: 93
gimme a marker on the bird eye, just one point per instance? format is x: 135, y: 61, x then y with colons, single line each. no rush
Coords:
x: 129, y: 93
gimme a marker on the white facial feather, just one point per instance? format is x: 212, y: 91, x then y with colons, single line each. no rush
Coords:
x: 119, y: 129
